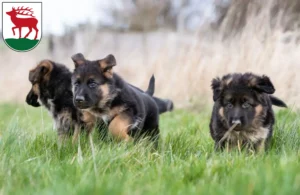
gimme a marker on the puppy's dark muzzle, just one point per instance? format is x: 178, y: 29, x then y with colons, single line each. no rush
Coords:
x: 32, y: 99
x: 80, y: 102
x: 238, y: 124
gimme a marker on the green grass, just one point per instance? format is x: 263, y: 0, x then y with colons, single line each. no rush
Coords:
x: 21, y: 44
x: 32, y: 163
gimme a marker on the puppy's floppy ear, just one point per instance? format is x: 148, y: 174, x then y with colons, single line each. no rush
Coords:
x: 107, y: 64
x: 42, y: 70
x: 263, y: 84
x: 78, y: 59
x: 216, y: 86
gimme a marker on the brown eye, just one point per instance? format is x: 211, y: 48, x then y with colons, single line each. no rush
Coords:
x: 246, y: 105
x: 76, y: 84
x: 92, y: 84
x: 229, y: 105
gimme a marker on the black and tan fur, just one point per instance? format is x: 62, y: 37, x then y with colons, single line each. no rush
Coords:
x: 128, y: 111
x: 244, y: 99
x: 51, y: 87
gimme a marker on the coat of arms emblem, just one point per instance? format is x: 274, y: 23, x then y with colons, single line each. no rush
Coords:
x: 22, y: 25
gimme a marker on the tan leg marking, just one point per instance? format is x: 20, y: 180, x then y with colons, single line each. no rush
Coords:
x: 116, y: 111
x: 89, y: 120
x: 76, y: 134
x: 119, y: 127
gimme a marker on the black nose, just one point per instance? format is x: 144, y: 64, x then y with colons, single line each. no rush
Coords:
x: 79, y: 99
x: 236, y: 120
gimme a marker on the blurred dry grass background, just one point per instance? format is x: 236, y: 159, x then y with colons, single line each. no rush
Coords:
x: 250, y: 35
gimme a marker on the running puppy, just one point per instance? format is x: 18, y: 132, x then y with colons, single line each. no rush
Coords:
x: 242, y: 113
x: 51, y: 87
x: 128, y: 111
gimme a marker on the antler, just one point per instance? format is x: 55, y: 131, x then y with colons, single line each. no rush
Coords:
x: 24, y: 11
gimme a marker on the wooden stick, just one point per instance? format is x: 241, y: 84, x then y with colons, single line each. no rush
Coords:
x: 225, y: 136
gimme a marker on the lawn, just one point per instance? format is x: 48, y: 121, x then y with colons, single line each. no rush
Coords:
x: 32, y: 163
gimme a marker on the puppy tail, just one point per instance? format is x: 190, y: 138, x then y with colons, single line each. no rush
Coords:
x: 277, y: 102
x: 164, y: 105
x: 151, y: 86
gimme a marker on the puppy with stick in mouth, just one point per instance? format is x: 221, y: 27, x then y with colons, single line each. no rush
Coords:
x: 242, y: 114
x: 128, y: 111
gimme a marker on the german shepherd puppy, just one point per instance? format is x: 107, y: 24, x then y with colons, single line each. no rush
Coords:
x: 51, y: 87
x: 128, y: 111
x: 243, y: 101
